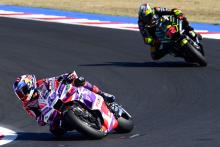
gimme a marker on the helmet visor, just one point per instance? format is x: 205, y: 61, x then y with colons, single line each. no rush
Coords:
x: 23, y: 92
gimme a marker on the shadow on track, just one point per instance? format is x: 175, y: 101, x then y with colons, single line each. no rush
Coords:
x: 70, y: 136
x: 34, y: 136
x: 144, y: 64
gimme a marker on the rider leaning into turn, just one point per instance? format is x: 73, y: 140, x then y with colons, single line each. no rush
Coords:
x: 148, y: 19
x: 29, y: 91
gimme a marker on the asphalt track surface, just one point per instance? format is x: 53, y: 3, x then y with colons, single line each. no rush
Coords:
x: 173, y: 104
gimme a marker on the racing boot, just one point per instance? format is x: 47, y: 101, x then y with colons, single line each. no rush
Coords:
x: 55, y: 124
x: 57, y: 130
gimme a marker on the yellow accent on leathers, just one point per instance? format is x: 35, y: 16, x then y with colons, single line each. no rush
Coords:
x: 148, y: 40
x: 183, y: 42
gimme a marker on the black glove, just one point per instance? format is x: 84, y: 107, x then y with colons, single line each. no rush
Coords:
x: 70, y: 78
x: 67, y: 80
x: 108, y: 97
x: 79, y: 81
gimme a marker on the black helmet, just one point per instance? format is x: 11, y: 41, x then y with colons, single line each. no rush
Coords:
x: 146, y: 14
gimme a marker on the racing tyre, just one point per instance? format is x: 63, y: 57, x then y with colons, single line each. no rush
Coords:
x: 84, y: 122
x: 125, y: 124
x: 195, y: 55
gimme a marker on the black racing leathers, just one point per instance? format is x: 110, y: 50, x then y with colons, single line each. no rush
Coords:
x: 149, y: 35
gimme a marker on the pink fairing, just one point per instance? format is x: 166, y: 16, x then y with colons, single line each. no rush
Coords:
x: 47, y: 90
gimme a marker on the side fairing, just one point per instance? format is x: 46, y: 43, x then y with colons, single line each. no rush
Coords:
x: 96, y: 102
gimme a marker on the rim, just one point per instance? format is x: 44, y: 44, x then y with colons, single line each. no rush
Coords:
x: 86, y: 116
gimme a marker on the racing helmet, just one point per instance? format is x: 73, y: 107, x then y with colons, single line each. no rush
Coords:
x: 146, y: 14
x: 24, y: 87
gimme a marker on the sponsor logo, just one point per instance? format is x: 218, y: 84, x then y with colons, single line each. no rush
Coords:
x: 60, y: 90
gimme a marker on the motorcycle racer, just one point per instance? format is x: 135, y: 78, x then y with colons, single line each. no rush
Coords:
x: 30, y: 91
x: 148, y: 21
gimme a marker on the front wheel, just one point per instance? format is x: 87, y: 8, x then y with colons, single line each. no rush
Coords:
x: 85, y: 122
x: 193, y: 55
x: 125, y: 124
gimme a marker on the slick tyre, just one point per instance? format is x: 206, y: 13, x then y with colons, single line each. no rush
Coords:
x: 125, y: 125
x: 83, y: 127
x: 195, y: 55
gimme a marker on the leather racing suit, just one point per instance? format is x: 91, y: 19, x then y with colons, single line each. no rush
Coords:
x: 150, y: 37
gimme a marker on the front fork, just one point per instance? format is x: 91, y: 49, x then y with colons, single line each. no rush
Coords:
x: 110, y: 121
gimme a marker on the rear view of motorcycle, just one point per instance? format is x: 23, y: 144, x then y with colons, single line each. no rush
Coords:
x: 182, y: 43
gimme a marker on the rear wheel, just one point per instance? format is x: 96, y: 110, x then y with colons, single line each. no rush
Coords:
x: 84, y: 121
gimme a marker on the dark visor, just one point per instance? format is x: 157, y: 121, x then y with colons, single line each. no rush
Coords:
x: 22, y: 93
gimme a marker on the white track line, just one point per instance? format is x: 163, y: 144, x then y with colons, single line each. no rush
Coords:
x: 85, y: 22
x: 7, y: 135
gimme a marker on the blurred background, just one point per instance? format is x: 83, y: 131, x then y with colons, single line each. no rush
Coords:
x: 195, y: 10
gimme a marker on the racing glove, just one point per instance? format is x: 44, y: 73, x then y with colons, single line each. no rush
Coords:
x: 107, y: 97
x: 79, y: 81
x: 69, y: 78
